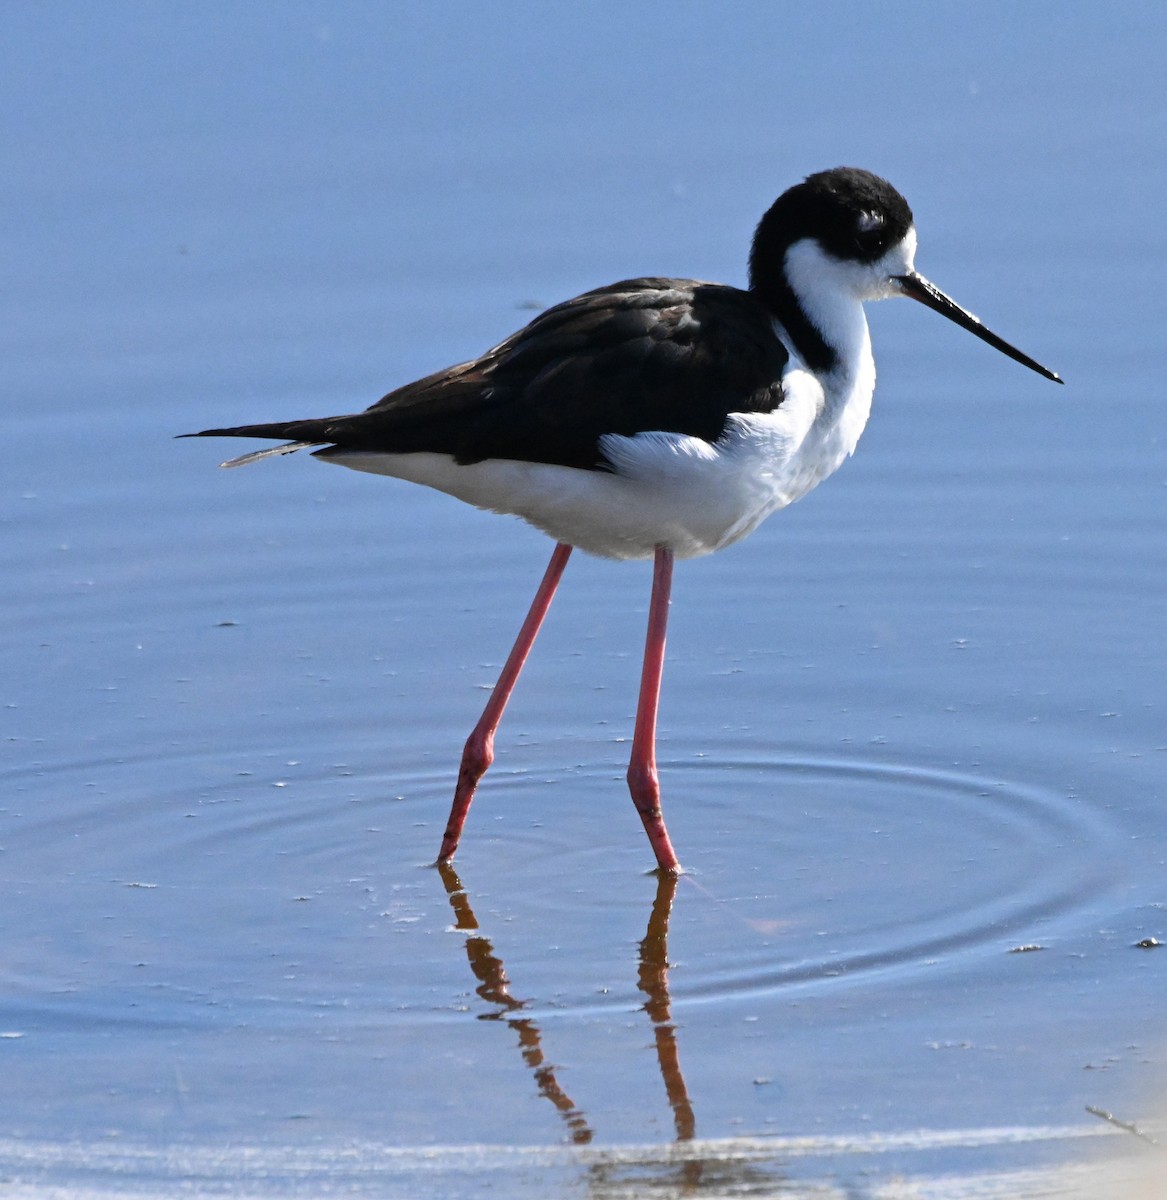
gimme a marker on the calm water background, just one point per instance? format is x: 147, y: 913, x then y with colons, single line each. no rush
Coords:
x: 910, y: 728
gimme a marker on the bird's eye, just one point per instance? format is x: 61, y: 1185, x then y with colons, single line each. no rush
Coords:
x: 870, y: 232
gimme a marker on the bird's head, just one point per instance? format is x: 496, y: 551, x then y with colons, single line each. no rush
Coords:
x: 846, y: 234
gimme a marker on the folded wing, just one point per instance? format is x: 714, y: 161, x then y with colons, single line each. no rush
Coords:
x: 672, y: 355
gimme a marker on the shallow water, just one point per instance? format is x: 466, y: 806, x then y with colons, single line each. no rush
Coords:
x: 912, y: 737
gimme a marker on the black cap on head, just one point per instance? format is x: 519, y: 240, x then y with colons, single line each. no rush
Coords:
x: 850, y: 212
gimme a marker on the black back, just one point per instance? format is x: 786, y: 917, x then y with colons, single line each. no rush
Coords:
x: 673, y: 355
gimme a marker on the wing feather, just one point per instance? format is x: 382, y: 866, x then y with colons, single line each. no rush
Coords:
x: 665, y: 355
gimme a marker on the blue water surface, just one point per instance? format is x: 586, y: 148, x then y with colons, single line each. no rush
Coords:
x: 912, y: 737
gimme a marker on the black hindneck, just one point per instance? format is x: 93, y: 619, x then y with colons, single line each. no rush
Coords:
x: 769, y: 283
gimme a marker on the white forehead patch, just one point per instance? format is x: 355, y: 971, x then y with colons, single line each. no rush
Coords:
x: 900, y: 258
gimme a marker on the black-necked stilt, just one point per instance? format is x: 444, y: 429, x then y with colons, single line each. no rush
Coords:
x: 655, y: 417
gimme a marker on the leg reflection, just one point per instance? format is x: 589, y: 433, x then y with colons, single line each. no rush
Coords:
x: 685, y: 1175
x: 653, y: 980
x: 494, y: 988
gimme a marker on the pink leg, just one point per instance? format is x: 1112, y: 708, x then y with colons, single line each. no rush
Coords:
x: 479, y: 751
x: 642, y: 777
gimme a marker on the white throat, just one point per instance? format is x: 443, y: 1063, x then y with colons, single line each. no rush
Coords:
x: 826, y: 291
x: 831, y: 293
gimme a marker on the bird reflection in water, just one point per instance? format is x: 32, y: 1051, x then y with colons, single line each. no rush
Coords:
x: 686, y: 1167
x: 494, y: 988
x: 652, y: 979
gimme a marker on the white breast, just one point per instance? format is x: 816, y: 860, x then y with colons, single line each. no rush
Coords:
x: 665, y: 488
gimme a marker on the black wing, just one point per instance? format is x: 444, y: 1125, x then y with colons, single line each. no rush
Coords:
x: 672, y: 355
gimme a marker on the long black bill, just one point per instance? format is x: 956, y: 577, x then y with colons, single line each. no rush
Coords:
x: 918, y: 288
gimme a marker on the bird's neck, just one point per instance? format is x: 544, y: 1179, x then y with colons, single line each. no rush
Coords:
x: 813, y: 301
x: 823, y: 322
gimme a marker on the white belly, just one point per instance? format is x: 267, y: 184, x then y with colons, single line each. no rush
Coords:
x: 694, y: 509
x: 664, y: 489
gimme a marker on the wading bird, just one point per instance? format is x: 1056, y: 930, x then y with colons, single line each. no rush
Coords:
x: 655, y: 418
